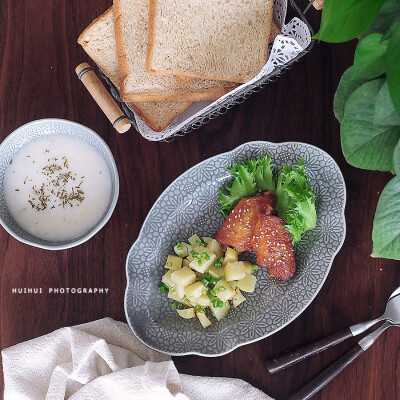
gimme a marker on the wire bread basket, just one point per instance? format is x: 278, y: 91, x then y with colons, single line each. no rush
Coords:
x: 289, y: 47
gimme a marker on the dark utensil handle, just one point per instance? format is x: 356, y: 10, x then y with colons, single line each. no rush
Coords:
x: 327, y: 375
x: 286, y: 360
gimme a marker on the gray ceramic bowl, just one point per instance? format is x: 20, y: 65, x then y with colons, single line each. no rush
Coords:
x: 31, y: 131
x: 188, y: 206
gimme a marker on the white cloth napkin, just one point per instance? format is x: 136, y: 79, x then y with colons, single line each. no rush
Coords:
x: 104, y: 360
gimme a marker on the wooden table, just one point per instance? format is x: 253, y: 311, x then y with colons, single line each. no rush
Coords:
x: 38, y: 55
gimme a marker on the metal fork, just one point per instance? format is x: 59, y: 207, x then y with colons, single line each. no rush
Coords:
x: 340, y: 364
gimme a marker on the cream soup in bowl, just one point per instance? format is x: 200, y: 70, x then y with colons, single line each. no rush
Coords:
x: 59, y: 184
x: 57, y: 187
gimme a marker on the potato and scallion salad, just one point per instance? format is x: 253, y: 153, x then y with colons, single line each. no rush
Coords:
x: 201, y: 277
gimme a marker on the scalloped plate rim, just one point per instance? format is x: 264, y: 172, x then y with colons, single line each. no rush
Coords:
x: 236, y: 149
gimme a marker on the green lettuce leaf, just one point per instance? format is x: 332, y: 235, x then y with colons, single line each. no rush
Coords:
x: 296, y: 201
x: 251, y: 177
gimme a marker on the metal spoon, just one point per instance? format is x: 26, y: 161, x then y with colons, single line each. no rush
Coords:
x: 392, y: 313
x: 340, y: 364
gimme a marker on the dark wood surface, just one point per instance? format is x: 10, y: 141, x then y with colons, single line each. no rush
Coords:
x: 38, y: 54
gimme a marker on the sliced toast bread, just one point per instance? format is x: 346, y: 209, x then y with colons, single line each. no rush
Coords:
x: 225, y: 40
x: 98, y: 40
x: 131, y: 31
x: 275, y: 31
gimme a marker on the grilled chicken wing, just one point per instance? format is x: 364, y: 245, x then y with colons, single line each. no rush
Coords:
x: 273, y: 247
x: 238, y: 227
x: 251, y: 226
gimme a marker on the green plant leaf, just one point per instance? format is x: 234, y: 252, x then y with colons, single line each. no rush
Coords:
x: 393, y: 67
x: 396, y: 159
x: 385, y: 112
x: 386, y: 17
x: 364, y: 144
x: 346, y: 87
x: 345, y: 20
x: 369, y: 58
x: 386, y: 227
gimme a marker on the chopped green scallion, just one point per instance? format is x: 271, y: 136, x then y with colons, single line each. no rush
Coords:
x: 205, y: 282
x: 218, y: 263
x: 163, y: 288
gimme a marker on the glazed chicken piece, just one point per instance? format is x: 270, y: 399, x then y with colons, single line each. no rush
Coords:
x: 237, y: 230
x: 272, y: 244
x: 251, y: 226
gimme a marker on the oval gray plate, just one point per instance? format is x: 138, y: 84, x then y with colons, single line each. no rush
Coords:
x: 188, y: 206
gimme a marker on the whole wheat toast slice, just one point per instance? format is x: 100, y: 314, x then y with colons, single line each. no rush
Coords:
x: 131, y: 30
x: 98, y: 40
x: 224, y: 40
x: 275, y: 31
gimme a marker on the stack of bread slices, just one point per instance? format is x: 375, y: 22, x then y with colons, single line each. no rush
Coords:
x: 162, y: 55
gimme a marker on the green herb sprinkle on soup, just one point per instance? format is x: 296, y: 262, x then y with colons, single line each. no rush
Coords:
x: 57, y: 187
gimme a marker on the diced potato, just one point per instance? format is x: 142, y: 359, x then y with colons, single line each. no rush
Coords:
x: 181, y: 249
x: 234, y: 271
x: 223, y: 290
x: 194, y: 240
x: 202, y: 301
x: 183, y: 277
x: 216, y: 272
x: 248, y: 283
x: 173, y: 262
x: 233, y: 284
x: 201, y: 249
x: 220, y: 312
x: 207, y: 239
x: 238, y: 298
x: 189, y: 256
x: 168, y: 280
x: 203, y: 265
x: 187, y: 313
x: 172, y: 294
x: 215, y: 247
x: 203, y: 319
x: 185, y: 263
x: 180, y: 291
x: 248, y: 267
x: 195, y: 290
x: 230, y: 256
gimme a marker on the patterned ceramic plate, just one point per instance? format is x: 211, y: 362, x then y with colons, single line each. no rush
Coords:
x: 188, y: 206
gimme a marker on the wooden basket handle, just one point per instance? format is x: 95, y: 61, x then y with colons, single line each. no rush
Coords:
x: 318, y: 4
x: 105, y: 101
